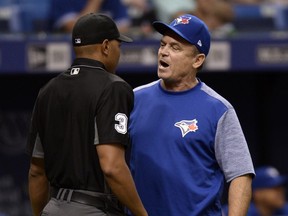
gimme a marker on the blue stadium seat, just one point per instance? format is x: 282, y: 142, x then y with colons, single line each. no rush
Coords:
x: 34, y: 15
x: 9, y: 16
x: 254, y: 18
x: 26, y: 16
x: 281, y: 18
x: 247, y: 11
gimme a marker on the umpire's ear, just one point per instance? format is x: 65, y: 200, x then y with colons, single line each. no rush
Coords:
x: 105, y: 47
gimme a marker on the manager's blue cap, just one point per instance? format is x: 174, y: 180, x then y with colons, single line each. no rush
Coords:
x: 268, y: 177
x: 189, y: 27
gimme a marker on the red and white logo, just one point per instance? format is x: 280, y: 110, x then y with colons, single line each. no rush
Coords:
x: 187, y: 126
x: 182, y: 20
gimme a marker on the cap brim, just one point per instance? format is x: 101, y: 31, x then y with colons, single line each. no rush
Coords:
x: 280, y: 181
x: 161, y: 27
x: 125, y: 39
x: 283, y: 180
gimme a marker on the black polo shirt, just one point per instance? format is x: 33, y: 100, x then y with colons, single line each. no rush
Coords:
x: 80, y: 108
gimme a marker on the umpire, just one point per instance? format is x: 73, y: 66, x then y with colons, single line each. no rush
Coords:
x: 78, y: 133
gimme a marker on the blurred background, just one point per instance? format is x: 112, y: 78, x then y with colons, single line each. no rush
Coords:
x: 247, y: 64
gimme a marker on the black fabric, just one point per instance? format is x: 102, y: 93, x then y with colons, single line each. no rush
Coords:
x: 64, y: 119
x: 94, y: 28
x: 81, y: 198
x: 105, y: 202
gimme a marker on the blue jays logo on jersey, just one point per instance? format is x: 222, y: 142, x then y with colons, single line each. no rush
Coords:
x: 187, y: 126
x: 181, y: 20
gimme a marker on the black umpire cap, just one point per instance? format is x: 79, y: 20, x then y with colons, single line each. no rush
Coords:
x: 94, y: 28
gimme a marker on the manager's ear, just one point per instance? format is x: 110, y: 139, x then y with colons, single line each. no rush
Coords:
x: 199, y: 60
x: 105, y: 47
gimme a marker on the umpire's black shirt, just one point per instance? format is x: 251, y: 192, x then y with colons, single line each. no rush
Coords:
x: 80, y: 108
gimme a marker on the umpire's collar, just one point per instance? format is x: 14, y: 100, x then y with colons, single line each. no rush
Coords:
x: 87, y: 62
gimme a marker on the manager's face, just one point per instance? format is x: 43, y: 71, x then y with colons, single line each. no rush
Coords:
x: 176, y: 59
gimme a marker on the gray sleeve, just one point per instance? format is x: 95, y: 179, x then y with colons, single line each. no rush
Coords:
x: 231, y: 148
x: 38, y: 149
x: 96, y: 136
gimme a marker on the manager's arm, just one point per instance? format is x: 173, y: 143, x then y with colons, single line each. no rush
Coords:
x: 118, y: 176
x: 38, y: 185
x: 239, y: 195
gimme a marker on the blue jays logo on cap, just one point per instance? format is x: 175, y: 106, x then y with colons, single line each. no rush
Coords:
x: 190, y: 28
x: 181, y: 20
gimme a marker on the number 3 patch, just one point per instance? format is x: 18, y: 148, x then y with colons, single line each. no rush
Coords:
x: 122, y: 126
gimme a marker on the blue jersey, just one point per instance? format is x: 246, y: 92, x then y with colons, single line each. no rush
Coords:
x: 183, y: 146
